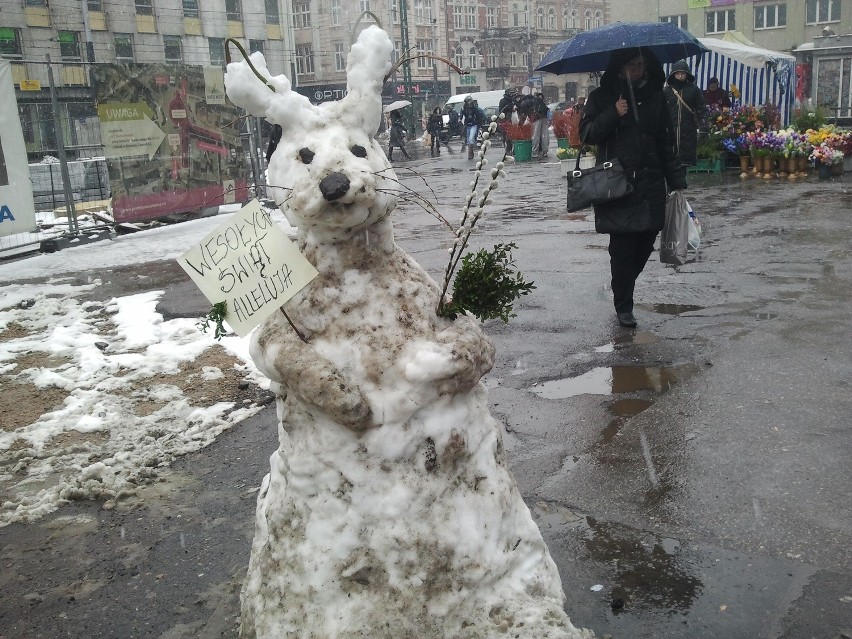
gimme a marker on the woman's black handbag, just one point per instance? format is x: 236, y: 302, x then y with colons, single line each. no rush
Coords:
x: 603, y: 183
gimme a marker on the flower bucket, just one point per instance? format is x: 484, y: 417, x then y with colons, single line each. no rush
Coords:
x: 847, y: 162
x: 823, y: 171
x: 562, y: 143
x: 523, y: 150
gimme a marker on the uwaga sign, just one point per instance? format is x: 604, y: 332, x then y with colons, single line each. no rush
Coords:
x: 250, y: 264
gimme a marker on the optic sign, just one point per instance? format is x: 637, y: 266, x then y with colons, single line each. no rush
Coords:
x: 250, y: 264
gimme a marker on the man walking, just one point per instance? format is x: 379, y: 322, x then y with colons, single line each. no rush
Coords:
x: 541, y: 131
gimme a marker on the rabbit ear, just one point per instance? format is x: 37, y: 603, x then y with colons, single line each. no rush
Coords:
x: 368, y: 62
x: 282, y: 106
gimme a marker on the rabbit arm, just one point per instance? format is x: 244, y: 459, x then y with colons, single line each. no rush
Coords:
x: 297, y: 366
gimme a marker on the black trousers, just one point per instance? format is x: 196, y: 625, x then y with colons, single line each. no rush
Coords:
x: 628, y: 255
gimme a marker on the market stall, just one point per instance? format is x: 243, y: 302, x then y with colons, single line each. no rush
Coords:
x: 759, y: 76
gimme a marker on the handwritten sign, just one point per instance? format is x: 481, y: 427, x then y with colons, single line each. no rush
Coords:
x: 249, y: 263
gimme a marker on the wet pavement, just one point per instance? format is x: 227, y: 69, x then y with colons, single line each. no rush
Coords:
x: 691, y: 477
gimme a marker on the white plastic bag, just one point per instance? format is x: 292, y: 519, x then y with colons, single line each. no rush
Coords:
x: 694, y: 240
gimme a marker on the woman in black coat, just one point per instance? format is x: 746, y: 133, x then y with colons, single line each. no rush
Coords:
x: 637, y: 131
x: 687, y: 109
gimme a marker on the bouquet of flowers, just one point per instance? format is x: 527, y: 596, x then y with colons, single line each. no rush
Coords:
x: 840, y: 141
x: 738, y: 145
x: 824, y: 154
x: 562, y: 124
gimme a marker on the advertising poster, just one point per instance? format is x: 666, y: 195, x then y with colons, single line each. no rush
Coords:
x: 17, y: 212
x: 171, y: 141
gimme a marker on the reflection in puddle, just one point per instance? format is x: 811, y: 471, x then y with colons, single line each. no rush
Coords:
x: 628, y: 407
x: 609, y: 380
x: 652, y: 571
x: 675, y: 309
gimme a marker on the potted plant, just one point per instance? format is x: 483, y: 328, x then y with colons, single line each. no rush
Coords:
x: 739, y: 146
x: 562, y: 128
x: 709, y: 154
x: 824, y: 157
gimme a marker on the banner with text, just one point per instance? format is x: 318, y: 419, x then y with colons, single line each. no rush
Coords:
x: 250, y: 264
x: 171, y: 141
x: 17, y: 211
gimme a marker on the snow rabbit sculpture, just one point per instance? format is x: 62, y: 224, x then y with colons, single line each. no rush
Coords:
x: 388, y: 512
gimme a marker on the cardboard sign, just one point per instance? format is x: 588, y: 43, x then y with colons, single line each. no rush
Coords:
x: 250, y: 264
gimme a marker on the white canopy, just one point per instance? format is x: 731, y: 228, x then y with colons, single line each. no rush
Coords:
x: 752, y: 56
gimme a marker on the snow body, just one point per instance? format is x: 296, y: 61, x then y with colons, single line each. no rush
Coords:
x: 389, y: 511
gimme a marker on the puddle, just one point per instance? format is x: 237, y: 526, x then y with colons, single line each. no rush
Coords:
x: 611, y: 380
x: 766, y: 316
x: 628, y: 407
x: 675, y: 309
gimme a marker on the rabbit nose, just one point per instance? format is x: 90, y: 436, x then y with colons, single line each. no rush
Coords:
x: 334, y: 186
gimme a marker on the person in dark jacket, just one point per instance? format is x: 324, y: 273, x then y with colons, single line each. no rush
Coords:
x: 397, y: 135
x: 434, y: 127
x: 505, y: 108
x: 716, y: 97
x: 687, y: 109
x: 632, y: 123
x: 473, y: 118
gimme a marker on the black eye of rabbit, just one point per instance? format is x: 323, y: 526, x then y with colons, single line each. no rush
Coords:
x: 359, y: 151
x: 306, y: 155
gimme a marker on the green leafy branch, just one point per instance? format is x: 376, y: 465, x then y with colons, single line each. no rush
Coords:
x: 217, y: 317
x: 487, y: 284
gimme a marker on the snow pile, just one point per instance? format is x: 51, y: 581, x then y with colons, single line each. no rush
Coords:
x: 118, y: 417
x: 389, y: 510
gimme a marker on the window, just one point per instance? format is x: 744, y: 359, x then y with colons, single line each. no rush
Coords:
x: 35, y: 3
x: 397, y: 47
x: 257, y: 46
x: 679, y: 19
x: 423, y: 47
x: 365, y: 6
x: 172, y: 47
x: 565, y: 20
x: 525, y: 60
x: 144, y: 7
x: 272, y: 15
x: 575, y: 19
x: 819, y: 11
x: 123, y: 46
x: 304, y: 59
x: 474, y: 58
x: 516, y: 16
x: 770, y: 16
x: 423, y: 11
x: 216, y: 46
x: 472, y: 19
x: 394, y: 13
x: 335, y: 12
x: 301, y: 14
x: 458, y: 17
x: 492, y: 58
x: 233, y: 10
x: 491, y: 17
x: 598, y: 19
x: 539, y: 18
x: 69, y: 45
x: 458, y: 54
x: 513, y: 59
x: 588, y: 20
x: 190, y: 8
x: 10, y: 43
x: 94, y: 5
x: 719, y: 21
x: 551, y: 19
x: 339, y: 57
x: 541, y: 55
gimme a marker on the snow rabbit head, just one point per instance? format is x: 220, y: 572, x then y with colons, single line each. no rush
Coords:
x: 327, y: 171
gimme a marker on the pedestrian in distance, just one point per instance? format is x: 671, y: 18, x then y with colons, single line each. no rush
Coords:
x: 434, y: 127
x: 505, y: 109
x: 632, y: 123
x: 716, y: 97
x: 473, y: 118
x: 687, y: 109
x: 397, y: 135
x: 541, y: 131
